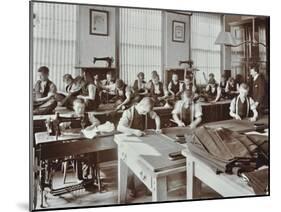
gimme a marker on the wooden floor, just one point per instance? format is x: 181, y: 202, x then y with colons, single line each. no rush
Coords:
x: 93, y: 198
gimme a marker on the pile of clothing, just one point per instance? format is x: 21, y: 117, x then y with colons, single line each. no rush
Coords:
x: 231, y: 152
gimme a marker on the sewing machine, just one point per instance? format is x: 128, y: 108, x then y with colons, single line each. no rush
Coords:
x: 53, y: 125
x: 109, y: 60
x: 55, y: 147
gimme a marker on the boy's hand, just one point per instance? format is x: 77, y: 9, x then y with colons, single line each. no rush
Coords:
x: 252, y: 119
x: 192, y: 125
x: 237, y: 117
x: 139, y: 133
x: 181, y: 124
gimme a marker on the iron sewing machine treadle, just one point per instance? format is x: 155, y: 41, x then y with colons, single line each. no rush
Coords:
x: 49, y: 166
x: 109, y: 60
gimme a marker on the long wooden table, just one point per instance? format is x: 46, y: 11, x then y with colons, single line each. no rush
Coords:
x: 211, y: 112
x: 198, y: 170
x: 49, y: 149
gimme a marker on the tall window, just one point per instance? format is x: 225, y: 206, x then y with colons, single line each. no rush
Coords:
x: 54, y: 39
x: 140, y: 43
x: 205, y: 54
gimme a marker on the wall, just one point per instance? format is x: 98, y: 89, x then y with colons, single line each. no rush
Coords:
x: 174, y: 51
x: 90, y: 46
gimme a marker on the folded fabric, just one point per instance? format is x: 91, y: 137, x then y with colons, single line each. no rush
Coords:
x: 225, y: 150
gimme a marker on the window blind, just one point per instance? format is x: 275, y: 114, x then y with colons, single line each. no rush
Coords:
x: 205, y: 54
x: 140, y: 43
x: 54, y: 40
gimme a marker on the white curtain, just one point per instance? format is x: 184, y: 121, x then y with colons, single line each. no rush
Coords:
x: 54, y: 39
x: 205, y: 54
x: 140, y: 43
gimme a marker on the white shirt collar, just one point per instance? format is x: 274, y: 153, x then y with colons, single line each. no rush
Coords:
x: 256, y: 77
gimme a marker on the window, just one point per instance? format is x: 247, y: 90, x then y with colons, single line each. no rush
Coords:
x: 205, y: 54
x: 54, y: 39
x: 140, y: 43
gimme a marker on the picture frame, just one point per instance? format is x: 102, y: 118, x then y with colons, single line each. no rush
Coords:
x: 99, y: 22
x: 178, y: 31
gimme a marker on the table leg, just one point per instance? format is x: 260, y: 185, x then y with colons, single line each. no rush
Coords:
x: 159, y: 189
x: 193, y: 185
x: 122, y: 179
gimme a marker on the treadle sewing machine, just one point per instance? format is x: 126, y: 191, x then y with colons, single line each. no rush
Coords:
x: 57, y: 146
x: 109, y: 60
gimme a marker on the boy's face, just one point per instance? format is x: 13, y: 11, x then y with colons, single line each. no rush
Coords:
x: 253, y: 73
x: 79, y: 109
x: 144, y: 109
x: 43, y: 76
x: 141, y: 77
x: 187, y: 81
x: 243, y: 92
x: 175, y: 77
x: 156, y: 80
x: 67, y: 81
x: 109, y: 77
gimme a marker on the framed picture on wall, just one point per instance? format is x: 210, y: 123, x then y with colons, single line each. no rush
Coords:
x: 98, y: 22
x: 178, y: 31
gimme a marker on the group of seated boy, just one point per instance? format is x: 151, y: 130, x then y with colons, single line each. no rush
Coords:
x: 84, y: 94
x: 184, y: 96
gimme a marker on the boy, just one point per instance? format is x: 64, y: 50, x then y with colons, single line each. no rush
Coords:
x: 89, y: 92
x: 140, y: 85
x: 133, y: 119
x: 187, y: 85
x: 132, y: 122
x: 44, y: 101
x: 187, y: 112
x: 108, y: 87
x: 213, y: 90
x: 258, y: 87
x: 157, y: 92
x: 66, y: 97
x: 88, y: 122
x: 242, y: 105
x: 124, y: 95
x: 174, y: 86
x: 232, y: 88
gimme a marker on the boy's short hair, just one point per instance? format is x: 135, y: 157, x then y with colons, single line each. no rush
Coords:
x: 147, y: 101
x: 44, y: 70
x: 211, y: 75
x: 231, y: 79
x: 244, y: 86
x: 109, y: 73
x: 140, y: 74
x: 119, y: 83
x: 78, y: 101
x: 67, y: 77
x: 255, y: 68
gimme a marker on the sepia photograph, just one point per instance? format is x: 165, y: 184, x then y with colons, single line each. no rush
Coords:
x: 146, y: 105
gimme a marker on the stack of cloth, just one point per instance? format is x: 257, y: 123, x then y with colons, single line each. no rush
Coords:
x: 227, y: 151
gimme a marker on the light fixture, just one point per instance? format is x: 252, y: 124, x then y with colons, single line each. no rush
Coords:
x: 227, y: 39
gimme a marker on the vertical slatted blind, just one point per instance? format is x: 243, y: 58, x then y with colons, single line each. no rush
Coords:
x: 54, y: 40
x: 140, y: 43
x: 205, y: 54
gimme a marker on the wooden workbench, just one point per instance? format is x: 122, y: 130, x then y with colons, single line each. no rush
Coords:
x: 147, y: 158
x: 226, y: 185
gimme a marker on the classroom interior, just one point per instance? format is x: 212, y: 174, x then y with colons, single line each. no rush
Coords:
x: 217, y: 55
